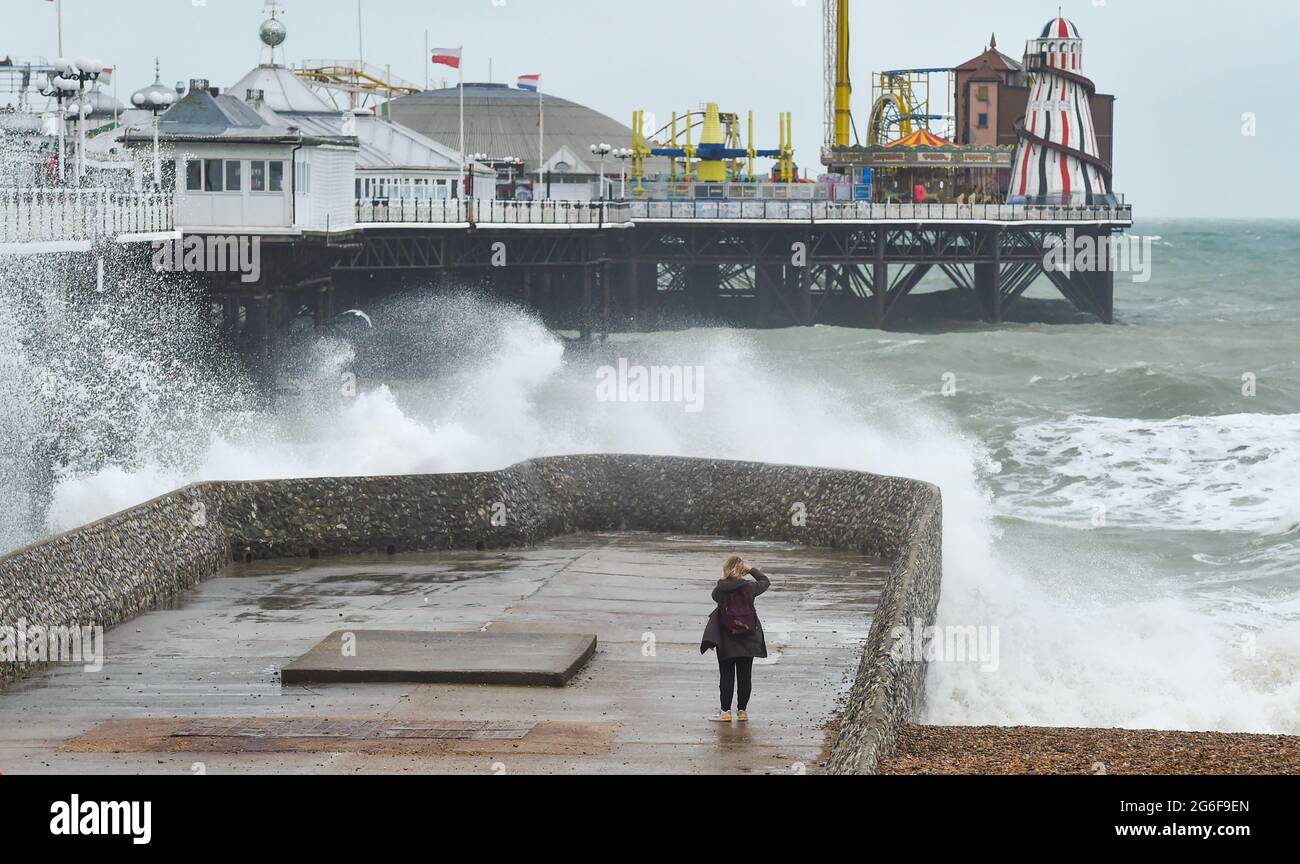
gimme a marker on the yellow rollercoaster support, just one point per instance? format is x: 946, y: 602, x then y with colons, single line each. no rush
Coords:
x: 843, y: 82
x: 640, y: 152
x: 787, y: 147
x: 750, y: 149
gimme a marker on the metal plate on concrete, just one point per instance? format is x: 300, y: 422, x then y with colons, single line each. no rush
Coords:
x: 387, y: 656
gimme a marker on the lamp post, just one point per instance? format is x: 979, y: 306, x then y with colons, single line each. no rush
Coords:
x: 623, y: 154
x: 601, y: 150
x: 155, y: 99
x: 513, y: 164
x: 60, y: 88
x: 475, y: 159
x: 85, y: 70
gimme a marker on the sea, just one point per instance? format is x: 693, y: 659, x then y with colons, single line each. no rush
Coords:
x: 1122, y: 503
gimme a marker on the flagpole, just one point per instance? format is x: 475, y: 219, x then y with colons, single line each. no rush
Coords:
x: 460, y: 83
x: 427, y: 60
x: 541, y: 133
x: 63, y: 119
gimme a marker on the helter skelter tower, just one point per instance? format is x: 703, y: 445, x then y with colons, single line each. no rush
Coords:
x: 1058, y: 160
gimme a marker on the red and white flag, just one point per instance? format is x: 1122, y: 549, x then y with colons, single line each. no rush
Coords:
x: 447, y: 57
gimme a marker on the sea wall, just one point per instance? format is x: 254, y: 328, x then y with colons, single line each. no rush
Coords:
x: 124, y: 565
x: 110, y: 571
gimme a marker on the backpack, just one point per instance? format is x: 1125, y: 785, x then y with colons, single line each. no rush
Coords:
x: 738, y: 613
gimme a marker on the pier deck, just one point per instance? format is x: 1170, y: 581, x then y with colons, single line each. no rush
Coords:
x: 198, y: 682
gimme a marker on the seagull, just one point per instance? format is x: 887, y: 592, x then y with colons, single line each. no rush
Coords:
x: 363, y: 316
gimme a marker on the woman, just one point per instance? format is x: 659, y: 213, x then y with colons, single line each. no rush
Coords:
x: 736, y: 633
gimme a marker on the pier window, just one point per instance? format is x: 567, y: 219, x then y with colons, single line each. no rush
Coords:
x: 212, y: 176
x: 257, y: 175
x: 275, y: 175
x: 194, y: 176
x: 234, y: 175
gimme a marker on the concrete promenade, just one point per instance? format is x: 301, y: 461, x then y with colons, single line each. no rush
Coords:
x: 196, y: 687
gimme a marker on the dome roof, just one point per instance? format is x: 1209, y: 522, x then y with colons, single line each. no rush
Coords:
x: 502, y: 121
x: 156, y: 93
x: 1060, y: 28
x: 282, y: 90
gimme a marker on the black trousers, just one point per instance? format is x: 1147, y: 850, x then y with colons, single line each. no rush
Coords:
x: 733, y: 672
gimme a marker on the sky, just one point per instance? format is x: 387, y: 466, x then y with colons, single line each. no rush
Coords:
x: 1205, y: 123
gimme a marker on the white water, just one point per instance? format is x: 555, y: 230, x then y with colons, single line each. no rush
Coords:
x: 1227, y: 473
x: 1088, y: 635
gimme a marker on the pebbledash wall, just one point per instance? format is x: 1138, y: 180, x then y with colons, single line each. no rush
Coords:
x: 121, y: 566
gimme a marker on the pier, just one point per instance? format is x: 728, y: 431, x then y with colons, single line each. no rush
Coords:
x: 690, y: 231
x: 606, y: 267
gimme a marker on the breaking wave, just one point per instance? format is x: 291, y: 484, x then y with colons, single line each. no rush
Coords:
x: 121, y: 399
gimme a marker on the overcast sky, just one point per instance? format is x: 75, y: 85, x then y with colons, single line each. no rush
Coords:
x: 1184, y: 72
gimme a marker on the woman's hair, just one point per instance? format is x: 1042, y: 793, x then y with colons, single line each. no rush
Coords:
x: 734, y: 568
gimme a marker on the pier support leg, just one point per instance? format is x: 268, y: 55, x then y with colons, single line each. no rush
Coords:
x: 606, y: 274
x: 767, y: 281
x: 805, y: 295
x: 879, y: 283
x: 323, y: 313
x: 703, y: 283
x: 988, y: 283
x: 988, y: 287
x: 547, y: 301
x: 1091, y: 293
x: 586, y: 312
x: 260, y: 345
x: 632, y: 294
x: 1105, y: 287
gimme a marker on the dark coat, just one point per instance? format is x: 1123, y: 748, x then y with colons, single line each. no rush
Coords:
x: 716, y: 636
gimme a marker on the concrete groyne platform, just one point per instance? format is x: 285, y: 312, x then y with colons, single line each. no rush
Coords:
x: 864, y: 554
x: 199, y: 680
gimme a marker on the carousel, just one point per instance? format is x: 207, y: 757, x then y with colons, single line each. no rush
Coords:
x: 926, y: 168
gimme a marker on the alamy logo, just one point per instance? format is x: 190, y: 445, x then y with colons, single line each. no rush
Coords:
x: 949, y: 644
x: 74, y: 817
x: 23, y: 643
x: 674, y: 384
x: 1089, y: 254
x: 213, y: 253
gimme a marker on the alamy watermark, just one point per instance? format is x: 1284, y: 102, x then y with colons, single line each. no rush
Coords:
x: 212, y: 253
x: 627, y: 382
x: 30, y: 644
x: 949, y: 644
x: 1091, y: 254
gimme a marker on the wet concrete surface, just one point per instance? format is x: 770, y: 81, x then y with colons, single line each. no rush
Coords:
x: 641, y: 705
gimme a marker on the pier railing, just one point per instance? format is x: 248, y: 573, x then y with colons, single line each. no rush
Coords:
x: 413, y: 212
x: 862, y: 211
x: 623, y: 212
x: 79, y: 215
